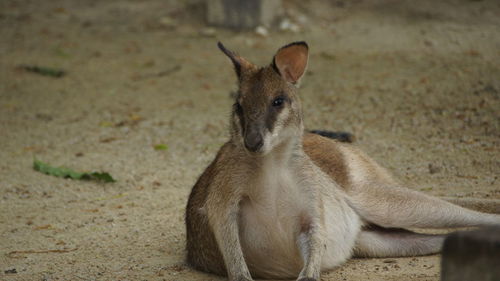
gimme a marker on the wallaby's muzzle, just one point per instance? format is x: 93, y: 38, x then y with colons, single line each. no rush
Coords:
x: 253, y: 140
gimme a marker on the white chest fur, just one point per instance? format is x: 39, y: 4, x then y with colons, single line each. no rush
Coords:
x: 270, y: 222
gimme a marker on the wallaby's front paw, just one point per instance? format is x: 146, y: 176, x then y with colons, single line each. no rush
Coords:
x: 307, y: 279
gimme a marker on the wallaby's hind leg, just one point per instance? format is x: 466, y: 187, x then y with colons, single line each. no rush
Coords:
x: 405, y: 208
x: 378, y: 242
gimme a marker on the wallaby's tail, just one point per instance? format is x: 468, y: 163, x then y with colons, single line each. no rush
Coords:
x: 478, y: 204
x: 340, y: 136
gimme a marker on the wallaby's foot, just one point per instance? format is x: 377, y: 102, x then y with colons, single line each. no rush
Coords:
x: 340, y: 136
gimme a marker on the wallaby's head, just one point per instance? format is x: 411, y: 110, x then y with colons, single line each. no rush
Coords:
x: 267, y: 113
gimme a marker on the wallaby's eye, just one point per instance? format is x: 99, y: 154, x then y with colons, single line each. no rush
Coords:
x: 278, y: 101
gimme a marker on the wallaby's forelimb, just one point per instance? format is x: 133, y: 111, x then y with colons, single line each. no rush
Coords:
x: 311, y: 246
x: 224, y: 223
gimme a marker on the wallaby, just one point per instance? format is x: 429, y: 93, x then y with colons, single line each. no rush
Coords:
x: 280, y: 203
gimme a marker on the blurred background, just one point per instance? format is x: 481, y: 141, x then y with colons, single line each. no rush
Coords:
x: 138, y: 88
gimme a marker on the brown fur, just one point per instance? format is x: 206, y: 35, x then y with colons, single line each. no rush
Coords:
x: 326, y: 155
x: 296, y: 204
x: 207, y: 258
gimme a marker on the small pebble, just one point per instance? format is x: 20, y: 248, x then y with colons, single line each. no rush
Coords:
x: 262, y: 31
x: 167, y: 21
x: 208, y: 32
x: 287, y: 25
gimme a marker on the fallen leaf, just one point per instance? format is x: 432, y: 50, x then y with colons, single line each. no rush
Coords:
x: 328, y: 56
x: 467, y: 177
x: 161, y: 147
x: 68, y: 173
x: 45, y: 71
x: 16, y: 254
x: 105, y: 124
x: 135, y: 117
x: 10, y: 271
x: 42, y: 227
x: 106, y: 140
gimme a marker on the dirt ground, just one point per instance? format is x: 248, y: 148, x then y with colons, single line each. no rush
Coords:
x: 417, y: 82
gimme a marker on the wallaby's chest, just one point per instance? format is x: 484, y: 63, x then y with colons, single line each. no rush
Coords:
x: 272, y: 213
x: 275, y: 195
x: 270, y: 220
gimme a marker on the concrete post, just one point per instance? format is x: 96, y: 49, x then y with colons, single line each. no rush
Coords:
x: 472, y: 256
x: 243, y: 14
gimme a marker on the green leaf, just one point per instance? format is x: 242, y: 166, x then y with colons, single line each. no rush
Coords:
x: 161, y: 147
x: 46, y: 71
x: 103, y: 176
x: 68, y: 173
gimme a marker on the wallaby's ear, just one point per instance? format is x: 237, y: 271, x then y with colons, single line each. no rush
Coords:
x: 240, y: 64
x: 291, y: 61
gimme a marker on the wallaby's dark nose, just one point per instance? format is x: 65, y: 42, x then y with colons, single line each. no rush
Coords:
x: 253, y: 141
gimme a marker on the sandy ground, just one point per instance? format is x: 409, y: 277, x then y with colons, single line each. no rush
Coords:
x: 417, y: 82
